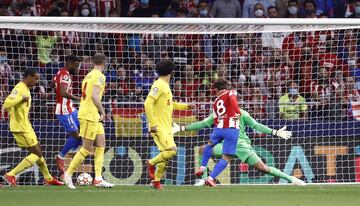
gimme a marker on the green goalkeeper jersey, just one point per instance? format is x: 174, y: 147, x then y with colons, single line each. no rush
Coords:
x: 245, y: 120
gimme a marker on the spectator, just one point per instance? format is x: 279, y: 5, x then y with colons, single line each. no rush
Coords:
x: 45, y: 44
x: 292, y: 105
x: 226, y: 9
x: 248, y: 7
x: 204, y: 9
x: 293, y: 10
x: 259, y: 11
x: 310, y: 9
x: 272, y: 12
x: 356, y: 13
x: 141, y: 9
x: 126, y: 85
x: 324, y: 7
x: 85, y: 11
x: 5, y: 10
x: 6, y: 74
x: 106, y: 8
x: 257, y: 104
x: 283, y: 6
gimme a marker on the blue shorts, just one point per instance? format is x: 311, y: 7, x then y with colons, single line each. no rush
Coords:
x: 229, y: 136
x: 70, y: 121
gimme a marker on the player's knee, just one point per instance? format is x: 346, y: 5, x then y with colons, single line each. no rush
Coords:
x: 227, y: 157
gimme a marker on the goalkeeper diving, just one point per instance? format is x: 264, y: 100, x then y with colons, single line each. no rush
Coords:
x: 244, y: 150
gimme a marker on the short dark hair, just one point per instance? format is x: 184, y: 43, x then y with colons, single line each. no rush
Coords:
x: 72, y: 58
x: 99, y: 58
x: 311, y: 2
x: 165, y: 67
x: 2, y: 49
x: 272, y: 7
x: 29, y: 72
x: 291, y: 1
x: 221, y: 83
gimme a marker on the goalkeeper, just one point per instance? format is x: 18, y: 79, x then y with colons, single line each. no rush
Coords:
x: 244, y: 150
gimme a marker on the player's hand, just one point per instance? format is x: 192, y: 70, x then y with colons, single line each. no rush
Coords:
x: 177, y: 128
x: 25, y: 98
x: 282, y: 133
x: 191, y: 106
x: 153, y: 129
x: 102, y: 117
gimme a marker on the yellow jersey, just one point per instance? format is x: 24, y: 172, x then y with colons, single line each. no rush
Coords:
x: 18, y: 109
x: 159, y: 106
x: 87, y: 109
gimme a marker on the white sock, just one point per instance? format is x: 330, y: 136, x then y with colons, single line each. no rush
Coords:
x: 98, y: 178
x: 202, y: 168
x: 210, y: 178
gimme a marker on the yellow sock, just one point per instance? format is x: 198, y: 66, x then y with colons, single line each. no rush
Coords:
x: 27, y: 162
x: 160, y: 170
x: 99, y: 161
x: 43, y: 168
x: 163, y: 156
x: 77, y: 160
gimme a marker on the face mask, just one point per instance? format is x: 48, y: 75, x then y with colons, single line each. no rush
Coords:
x: 3, y: 59
x: 352, y: 62
x: 203, y: 12
x: 85, y: 12
x: 159, y: 35
x: 322, y: 38
x: 55, y: 58
x: 357, y: 9
x: 259, y: 13
x: 144, y: 1
x: 293, y: 91
x: 293, y: 10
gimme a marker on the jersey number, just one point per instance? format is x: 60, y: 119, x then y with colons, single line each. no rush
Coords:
x: 83, y: 93
x: 220, y: 108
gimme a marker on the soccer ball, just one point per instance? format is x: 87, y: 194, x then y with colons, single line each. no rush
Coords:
x: 84, y: 179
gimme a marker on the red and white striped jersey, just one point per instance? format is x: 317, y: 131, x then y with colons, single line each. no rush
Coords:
x: 226, y: 110
x: 63, y: 104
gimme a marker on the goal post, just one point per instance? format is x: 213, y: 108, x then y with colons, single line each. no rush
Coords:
x: 299, y: 73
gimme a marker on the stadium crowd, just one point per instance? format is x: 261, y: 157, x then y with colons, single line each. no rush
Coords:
x: 294, y: 75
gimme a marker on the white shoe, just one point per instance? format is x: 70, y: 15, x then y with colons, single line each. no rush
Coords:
x: 68, y: 181
x: 103, y: 184
x: 199, y: 183
x: 298, y: 182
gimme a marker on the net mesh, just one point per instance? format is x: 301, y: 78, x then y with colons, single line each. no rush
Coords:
x: 299, y: 76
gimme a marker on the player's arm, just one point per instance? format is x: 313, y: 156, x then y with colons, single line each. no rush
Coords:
x: 264, y: 129
x: 149, y: 105
x: 95, y: 97
x: 205, y: 123
x: 64, y: 93
x: 14, y: 98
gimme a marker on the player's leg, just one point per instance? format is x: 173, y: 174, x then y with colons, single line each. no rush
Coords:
x: 258, y: 164
x: 99, y: 157
x: 229, y: 150
x: 215, y: 138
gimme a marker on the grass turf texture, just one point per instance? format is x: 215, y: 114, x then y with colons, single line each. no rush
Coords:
x: 329, y: 195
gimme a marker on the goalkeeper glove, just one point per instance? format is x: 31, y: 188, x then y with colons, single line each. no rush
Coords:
x: 177, y: 128
x: 282, y: 133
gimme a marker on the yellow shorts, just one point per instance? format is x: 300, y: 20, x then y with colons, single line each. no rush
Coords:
x: 89, y: 129
x: 164, y: 139
x: 25, y: 139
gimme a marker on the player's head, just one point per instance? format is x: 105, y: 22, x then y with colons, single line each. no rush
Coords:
x: 165, y: 67
x: 99, y: 60
x: 72, y: 63
x: 221, y: 84
x: 31, y: 77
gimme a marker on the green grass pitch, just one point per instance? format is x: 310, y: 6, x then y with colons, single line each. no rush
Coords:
x: 329, y: 195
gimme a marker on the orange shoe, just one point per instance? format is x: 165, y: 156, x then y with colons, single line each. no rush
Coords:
x: 53, y: 181
x: 60, y: 163
x: 151, y: 170
x: 11, y: 180
x: 199, y: 172
x: 210, y: 183
x: 156, y: 185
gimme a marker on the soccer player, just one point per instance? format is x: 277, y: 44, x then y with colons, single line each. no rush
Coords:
x: 226, y: 113
x: 244, y: 150
x: 65, y: 112
x: 159, y: 107
x: 91, y: 117
x: 18, y: 105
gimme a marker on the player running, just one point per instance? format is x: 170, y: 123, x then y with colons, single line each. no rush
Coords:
x: 159, y: 107
x: 91, y: 117
x: 18, y: 105
x: 65, y: 112
x: 226, y: 120
x: 244, y: 150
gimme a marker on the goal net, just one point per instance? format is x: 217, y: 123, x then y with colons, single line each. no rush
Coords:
x: 303, y: 74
